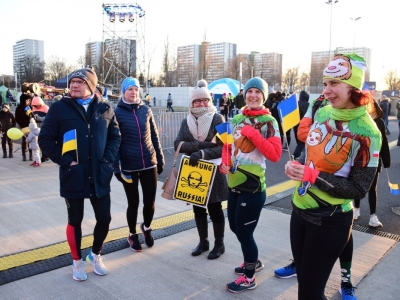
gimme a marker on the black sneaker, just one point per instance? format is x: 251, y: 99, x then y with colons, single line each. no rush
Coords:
x: 148, y: 238
x: 240, y: 270
x: 134, y: 243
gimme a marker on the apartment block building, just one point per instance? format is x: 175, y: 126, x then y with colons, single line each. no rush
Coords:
x: 26, y: 47
x: 208, y: 61
x: 93, y: 53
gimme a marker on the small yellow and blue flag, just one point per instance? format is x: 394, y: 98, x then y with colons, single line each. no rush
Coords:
x: 289, y: 113
x: 28, y: 111
x: 393, y: 187
x: 69, y: 141
x: 126, y: 177
x: 224, y: 133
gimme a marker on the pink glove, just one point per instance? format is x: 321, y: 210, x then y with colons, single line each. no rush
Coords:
x: 310, y: 174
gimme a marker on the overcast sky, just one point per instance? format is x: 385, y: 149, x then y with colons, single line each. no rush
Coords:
x: 293, y: 28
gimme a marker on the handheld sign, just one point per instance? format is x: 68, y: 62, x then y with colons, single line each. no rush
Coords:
x: 194, y: 184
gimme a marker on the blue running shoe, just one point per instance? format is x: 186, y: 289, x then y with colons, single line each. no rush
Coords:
x: 347, y: 292
x: 286, y: 272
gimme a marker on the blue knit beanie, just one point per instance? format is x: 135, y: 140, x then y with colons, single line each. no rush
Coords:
x: 258, y: 83
x: 128, y: 82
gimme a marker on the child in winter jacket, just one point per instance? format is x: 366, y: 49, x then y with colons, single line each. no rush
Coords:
x: 32, y: 140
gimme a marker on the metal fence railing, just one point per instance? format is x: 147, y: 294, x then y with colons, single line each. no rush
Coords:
x: 168, y: 125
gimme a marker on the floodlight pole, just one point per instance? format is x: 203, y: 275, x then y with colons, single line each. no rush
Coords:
x: 355, y: 19
x: 331, y: 2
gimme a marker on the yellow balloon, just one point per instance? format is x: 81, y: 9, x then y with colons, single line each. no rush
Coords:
x: 25, y: 130
x: 14, y: 133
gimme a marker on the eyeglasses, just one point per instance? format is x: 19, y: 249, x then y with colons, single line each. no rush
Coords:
x: 77, y: 82
x: 198, y: 101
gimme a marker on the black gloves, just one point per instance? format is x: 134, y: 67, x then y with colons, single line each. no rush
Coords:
x: 119, y: 177
x: 160, y: 169
x: 204, y: 145
x: 194, y: 158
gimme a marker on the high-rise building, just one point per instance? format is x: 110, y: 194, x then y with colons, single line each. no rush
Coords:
x: 24, y: 48
x: 93, y: 52
x: 206, y: 61
x: 320, y: 59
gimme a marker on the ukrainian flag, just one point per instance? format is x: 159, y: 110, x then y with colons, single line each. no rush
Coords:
x: 126, y: 177
x: 28, y: 111
x: 224, y: 133
x: 69, y: 141
x: 394, y: 188
x: 289, y: 113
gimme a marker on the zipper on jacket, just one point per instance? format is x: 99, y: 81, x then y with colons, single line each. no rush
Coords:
x: 140, y: 138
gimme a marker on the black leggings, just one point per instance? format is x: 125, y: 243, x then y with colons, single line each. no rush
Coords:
x: 148, y: 182
x: 315, y: 250
x: 244, y: 211
x: 214, y: 209
x: 372, y: 196
x: 75, y: 207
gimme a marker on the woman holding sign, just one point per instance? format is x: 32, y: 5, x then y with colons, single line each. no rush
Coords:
x: 198, y: 133
x: 339, y: 164
x: 256, y: 138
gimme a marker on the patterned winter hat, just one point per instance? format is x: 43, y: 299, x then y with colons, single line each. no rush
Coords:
x: 88, y: 75
x: 347, y: 68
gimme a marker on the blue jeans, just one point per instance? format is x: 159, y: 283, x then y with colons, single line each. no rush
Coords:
x: 244, y: 211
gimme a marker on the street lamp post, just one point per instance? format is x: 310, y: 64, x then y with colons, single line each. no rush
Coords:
x: 355, y: 19
x: 330, y: 2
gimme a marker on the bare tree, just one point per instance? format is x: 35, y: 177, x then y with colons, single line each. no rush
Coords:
x: 56, y: 68
x: 290, y: 79
x: 30, y: 69
x: 316, y: 78
x: 392, y: 80
x: 168, y: 70
x: 304, y: 81
x: 233, y: 68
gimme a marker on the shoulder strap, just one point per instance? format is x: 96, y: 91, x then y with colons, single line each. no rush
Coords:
x: 177, y: 152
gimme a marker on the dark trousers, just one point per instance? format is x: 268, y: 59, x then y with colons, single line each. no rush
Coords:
x: 6, y: 140
x: 102, y: 211
x: 169, y: 107
x: 24, y: 147
x: 372, y: 196
x: 148, y: 182
x: 214, y: 209
x: 315, y: 250
x: 244, y: 211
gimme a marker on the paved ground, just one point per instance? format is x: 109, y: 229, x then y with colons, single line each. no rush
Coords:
x: 34, y: 216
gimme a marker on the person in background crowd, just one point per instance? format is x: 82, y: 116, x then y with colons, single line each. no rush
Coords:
x: 198, y: 133
x: 32, y: 140
x: 99, y: 90
x: 1, y: 99
x: 233, y: 107
x: 384, y: 158
x: 9, y: 97
x: 303, y: 106
x: 328, y: 180
x: 239, y: 101
x: 270, y: 100
x: 224, y: 106
x: 214, y: 101
x: 256, y: 138
x: 398, y: 119
x: 7, y: 121
x: 86, y: 167
x: 385, y: 106
x: 140, y: 158
x: 169, y: 103
x: 23, y: 114
x: 154, y: 101
x: 39, y: 110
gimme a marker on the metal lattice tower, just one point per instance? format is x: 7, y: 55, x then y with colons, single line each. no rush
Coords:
x: 123, y: 50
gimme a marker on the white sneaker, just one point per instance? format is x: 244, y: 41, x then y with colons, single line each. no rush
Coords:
x: 356, y: 213
x: 374, y: 222
x: 78, y: 270
x: 97, y: 261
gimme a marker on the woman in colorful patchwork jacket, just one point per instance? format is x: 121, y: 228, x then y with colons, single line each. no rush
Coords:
x: 340, y: 162
x: 256, y: 138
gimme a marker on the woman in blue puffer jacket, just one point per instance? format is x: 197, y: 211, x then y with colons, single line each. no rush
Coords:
x: 140, y: 158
